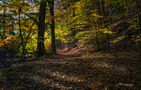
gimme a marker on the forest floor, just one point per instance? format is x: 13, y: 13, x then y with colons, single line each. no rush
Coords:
x: 73, y: 70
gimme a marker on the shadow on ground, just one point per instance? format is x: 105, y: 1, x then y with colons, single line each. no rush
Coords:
x: 74, y: 74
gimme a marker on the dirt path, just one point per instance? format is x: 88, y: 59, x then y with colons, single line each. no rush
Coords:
x: 74, y: 73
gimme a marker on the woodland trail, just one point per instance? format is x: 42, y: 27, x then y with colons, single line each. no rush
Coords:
x: 72, y: 72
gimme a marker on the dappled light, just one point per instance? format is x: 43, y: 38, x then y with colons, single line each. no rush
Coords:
x: 70, y: 45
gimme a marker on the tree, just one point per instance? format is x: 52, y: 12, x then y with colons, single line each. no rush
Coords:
x: 52, y: 25
x: 138, y: 5
x: 41, y: 25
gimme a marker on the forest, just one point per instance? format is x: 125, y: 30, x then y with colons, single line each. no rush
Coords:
x: 70, y: 45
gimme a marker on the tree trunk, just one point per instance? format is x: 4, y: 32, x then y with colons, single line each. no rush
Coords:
x: 52, y: 25
x: 138, y: 5
x: 22, y: 39
x: 4, y: 23
x: 140, y: 29
x: 41, y: 26
x: 140, y: 23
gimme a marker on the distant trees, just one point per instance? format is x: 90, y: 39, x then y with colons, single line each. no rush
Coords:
x: 100, y: 23
x: 84, y: 23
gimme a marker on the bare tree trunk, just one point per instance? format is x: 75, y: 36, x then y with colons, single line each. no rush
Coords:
x: 138, y: 5
x: 41, y: 25
x: 140, y: 28
x: 21, y: 36
x: 52, y: 25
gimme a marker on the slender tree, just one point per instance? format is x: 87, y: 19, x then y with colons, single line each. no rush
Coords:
x: 138, y: 4
x: 139, y: 13
x: 52, y: 25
